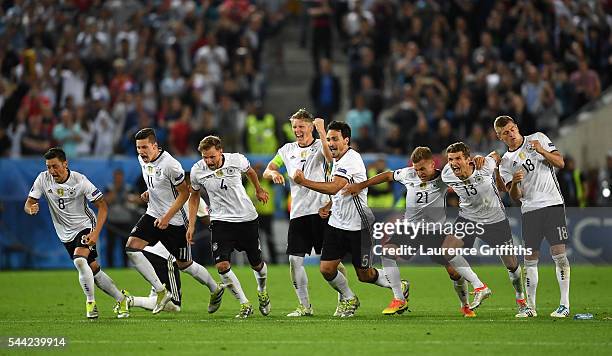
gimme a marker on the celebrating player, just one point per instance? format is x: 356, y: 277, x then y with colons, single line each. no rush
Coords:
x: 165, y: 220
x: 482, y: 215
x: 527, y: 169
x: 67, y: 193
x: 425, y: 203
x: 305, y: 225
x: 233, y: 217
x: 349, y: 225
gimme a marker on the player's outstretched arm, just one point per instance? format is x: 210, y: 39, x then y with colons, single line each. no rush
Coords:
x: 272, y: 172
x: 260, y: 193
x: 330, y: 188
x: 319, y: 125
x: 194, y: 204
x: 355, y: 188
x: 102, y: 208
x: 31, y: 206
x: 181, y: 199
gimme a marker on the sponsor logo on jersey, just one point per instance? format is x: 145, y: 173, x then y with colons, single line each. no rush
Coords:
x: 342, y: 170
x: 95, y: 192
x: 179, y: 177
x: 550, y: 144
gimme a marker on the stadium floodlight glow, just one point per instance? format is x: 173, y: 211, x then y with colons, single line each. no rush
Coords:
x: 606, y: 192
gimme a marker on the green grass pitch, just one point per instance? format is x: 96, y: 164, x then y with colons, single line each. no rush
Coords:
x: 51, y: 303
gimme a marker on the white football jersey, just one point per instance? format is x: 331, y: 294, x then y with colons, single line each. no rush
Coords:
x: 311, y: 161
x: 540, y: 187
x: 425, y: 201
x: 350, y: 212
x: 479, y: 200
x: 228, y: 198
x: 68, y: 202
x: 162, y: 176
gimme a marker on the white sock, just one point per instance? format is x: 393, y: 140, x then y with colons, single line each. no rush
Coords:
x: 393, y: 276
x: 149, y: 303
x: 562, y: 268
x: 462, y: 267
x: 142, y: 265
x: 104, y: 282
x: 461, y: 288
x: 230, y: 279
x: 200, y: 274
x: 299, y: 279
x: 531, y: 281
x: 340, y: 284
x: 381, y: 280
x: 86, y: 278
x: 261, y: 277
x: 342, y: 270
x: 517, y: 282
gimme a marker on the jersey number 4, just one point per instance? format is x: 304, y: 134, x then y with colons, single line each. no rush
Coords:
x: 223, y: 186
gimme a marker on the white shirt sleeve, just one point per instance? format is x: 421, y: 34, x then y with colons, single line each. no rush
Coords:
x: 176, y: 173
x: 194, y: 177
x: 504, y: 170
x: 243, y: 163
x: 90, y: 191
x: 546, y: 142
x: 37, y: 189
x: 400, y: 175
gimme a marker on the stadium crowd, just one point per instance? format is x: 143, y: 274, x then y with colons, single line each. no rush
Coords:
x: 86, y: 75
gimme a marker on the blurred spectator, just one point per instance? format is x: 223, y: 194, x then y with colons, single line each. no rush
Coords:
x: 477, y: 141
x: 444, y: 137
x: 380, y: 196
x: 325, y: 91
x: 261, y: 131
x: 67, y: 133
x: 321, y: 20
x: 420, y: 136
x: 572, y: 183
x: 359, y: 116
x: 605, y: 182
x: 586, y: 81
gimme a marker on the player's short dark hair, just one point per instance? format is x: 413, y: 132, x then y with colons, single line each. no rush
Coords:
x: 420, y: 153
x: 55, y: 152
x: 343, y: 127
x: 459, y: 147
x: 302, y: 114
x: 145, y: 133
x: 502, y: 121
x: 208, y: 142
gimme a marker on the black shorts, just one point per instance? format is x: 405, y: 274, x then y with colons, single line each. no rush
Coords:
x: 306, y: 233
x: 337, y: 243
x: 428, y: 240
x: 173, y: 237
x: 78, y: 242
x: 495, y: 235
x: 549, y: 223
x: 239, y: 236
x: 168, y: 273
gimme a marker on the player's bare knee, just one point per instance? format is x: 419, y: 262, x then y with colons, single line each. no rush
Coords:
x: 95, y: 267
x: 223, y: 266
x: 557, y: 249
x: 183, y: 264
x: 452, y: 273
x: 258, y: 267
x: 135, y: 243
x: 366, y: 275
x: 534, y: 255
x: 328, y: 271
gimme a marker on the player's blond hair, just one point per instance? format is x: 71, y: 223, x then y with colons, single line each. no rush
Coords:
x: 420, y: 153
x: 302, y: 114
x: 501, y: 122
x: 208, y: 142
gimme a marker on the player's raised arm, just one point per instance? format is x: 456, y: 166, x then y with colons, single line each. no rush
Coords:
x: 330, y: 188
x: 355, y: 188
x: 31, y: 206
x: 319, y: 125
x: 516, y: 192
x: 261, y: 194
x: 553, y: 157
x: 102, y: 208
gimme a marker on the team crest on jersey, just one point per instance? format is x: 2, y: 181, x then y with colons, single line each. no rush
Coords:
x: 158, y: 172
x: 522, y: 155
x: 60, y: 192
x: 478, y: 179
x: 231, y: 171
